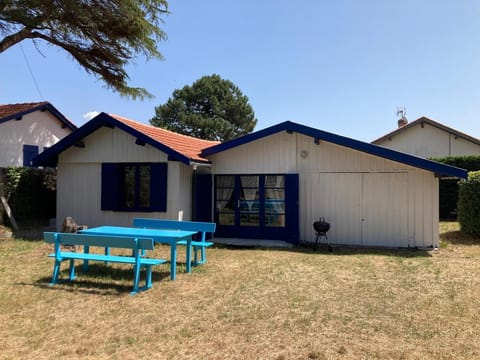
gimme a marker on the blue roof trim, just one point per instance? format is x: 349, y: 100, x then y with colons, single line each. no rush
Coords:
x: 50, y: 156
x: 67, y: 123
x: 437, y: 168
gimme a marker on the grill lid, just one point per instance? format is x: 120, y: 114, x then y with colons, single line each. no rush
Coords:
x: 321, y: 226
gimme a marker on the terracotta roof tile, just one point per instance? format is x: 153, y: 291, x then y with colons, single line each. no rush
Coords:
x: 186, y: 145
x: 12, y: 109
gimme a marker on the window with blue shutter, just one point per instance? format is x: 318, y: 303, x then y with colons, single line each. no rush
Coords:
x: 29, y: 152
x: 138, y: 187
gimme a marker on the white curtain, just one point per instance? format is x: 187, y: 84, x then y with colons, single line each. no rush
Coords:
x: 274, y: 187
x: 225, y: 186
x: 250, y: 188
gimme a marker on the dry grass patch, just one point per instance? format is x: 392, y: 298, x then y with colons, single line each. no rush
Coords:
x: 249, y: 304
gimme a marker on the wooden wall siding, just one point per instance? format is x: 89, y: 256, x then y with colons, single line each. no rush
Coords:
x: 328, y: 157
x: 337, y: 198
x: 112, y: 145
x: 79, y: 191
x: 179, y: 191
x: 398, y: 209
x: 273, y: 154
x: 37, y: 128
x: 431, y: 141
x: 282, y: 153
x: 398, y: 203
x: 426, y: 199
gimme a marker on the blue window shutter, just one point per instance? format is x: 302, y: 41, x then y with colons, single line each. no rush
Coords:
x: 29, y: 152
x: 158, y: 187
x: 202, y: 197
x: 292, y: 207
x: 110, y: 186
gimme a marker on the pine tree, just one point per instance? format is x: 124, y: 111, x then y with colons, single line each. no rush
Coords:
x: 211, y: 108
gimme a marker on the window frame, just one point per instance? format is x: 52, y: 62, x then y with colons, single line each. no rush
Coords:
x: 113, y: 187
x: 29, y: 153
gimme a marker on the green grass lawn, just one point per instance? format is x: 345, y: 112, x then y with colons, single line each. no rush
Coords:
x: 249, y: 304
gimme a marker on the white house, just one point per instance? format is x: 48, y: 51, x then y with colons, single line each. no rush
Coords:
x: 430, y: 139
x: 271, y: 184
x: 29, y: 128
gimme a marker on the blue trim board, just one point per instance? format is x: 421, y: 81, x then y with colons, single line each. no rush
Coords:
x: 65, y: 122
x: 318, y: 135
x: 50, y: 156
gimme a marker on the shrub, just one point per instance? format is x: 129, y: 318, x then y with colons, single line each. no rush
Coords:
x: 30, y: 192
x: 448, y: 197
x: 469, y: 204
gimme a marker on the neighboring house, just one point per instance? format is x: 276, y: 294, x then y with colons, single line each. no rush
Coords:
x: 271, y: 184
x: 29, y: 128
x: 430, y: 139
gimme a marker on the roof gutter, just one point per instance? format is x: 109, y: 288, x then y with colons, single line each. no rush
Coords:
x: 195, y: 165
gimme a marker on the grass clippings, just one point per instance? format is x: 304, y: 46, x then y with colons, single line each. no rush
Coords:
x: 249, y: 304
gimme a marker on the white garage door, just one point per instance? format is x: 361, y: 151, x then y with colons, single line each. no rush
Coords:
x: 385, y: 209
x: 369, y: 209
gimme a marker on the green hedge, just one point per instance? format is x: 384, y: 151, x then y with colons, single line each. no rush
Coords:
x: 31, y: 193
x: 470, y: 163
x: 448, y: 196
x: 469, y: 204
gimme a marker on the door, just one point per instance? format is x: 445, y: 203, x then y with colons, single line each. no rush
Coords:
x: 385, y: 209
x: 257, y: 206
x: 202, y: 197
x: 338, y: 198
x: 365, y: 209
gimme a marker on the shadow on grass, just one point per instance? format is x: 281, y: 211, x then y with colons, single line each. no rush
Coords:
x: 365, y: 250
x: 31, y: 230
x: 457, y: 237
x: 30, y: 234
x: 99, y: 280
x: 326, y: 249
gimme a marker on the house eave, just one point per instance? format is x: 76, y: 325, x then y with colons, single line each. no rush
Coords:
x: 425, y: 120
x: 318, y: 135
x: 50, y: 156
x: 42, y: 107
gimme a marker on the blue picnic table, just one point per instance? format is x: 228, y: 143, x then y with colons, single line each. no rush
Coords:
x: 170, y: 237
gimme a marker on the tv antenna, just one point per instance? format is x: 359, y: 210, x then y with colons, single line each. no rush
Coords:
x: 401, y: 112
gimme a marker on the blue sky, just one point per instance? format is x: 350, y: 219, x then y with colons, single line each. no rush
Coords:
x: 342, y: 66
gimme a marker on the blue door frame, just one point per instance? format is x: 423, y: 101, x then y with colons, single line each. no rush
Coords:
x: 273, y: 219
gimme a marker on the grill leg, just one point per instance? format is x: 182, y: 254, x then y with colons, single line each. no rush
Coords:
x: 319, y: 235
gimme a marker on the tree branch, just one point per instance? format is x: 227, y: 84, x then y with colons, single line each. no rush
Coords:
x: 15, y: 38
x: 96, y: 62
x: 102, y: 36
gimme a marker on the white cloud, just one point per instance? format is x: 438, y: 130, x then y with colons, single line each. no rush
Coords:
x: 90, y: 115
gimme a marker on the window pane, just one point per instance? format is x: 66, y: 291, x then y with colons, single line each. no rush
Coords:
x: 249, y: 201
x: 225, y: 181
x: 274, y: 194
x: 144, y: 187
x: 29, y: 152
x: 129, y: 178
x: 225, y: 205
x: 275, y: 201
x: 274, y: 181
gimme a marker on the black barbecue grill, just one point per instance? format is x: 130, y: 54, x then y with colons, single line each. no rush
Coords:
x: 321, y: 228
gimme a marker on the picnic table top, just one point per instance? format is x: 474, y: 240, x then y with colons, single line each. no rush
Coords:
x: 158, y: 235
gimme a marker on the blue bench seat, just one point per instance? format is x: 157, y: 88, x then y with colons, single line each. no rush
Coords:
x: 202, y: 228
x: 137, y: 245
